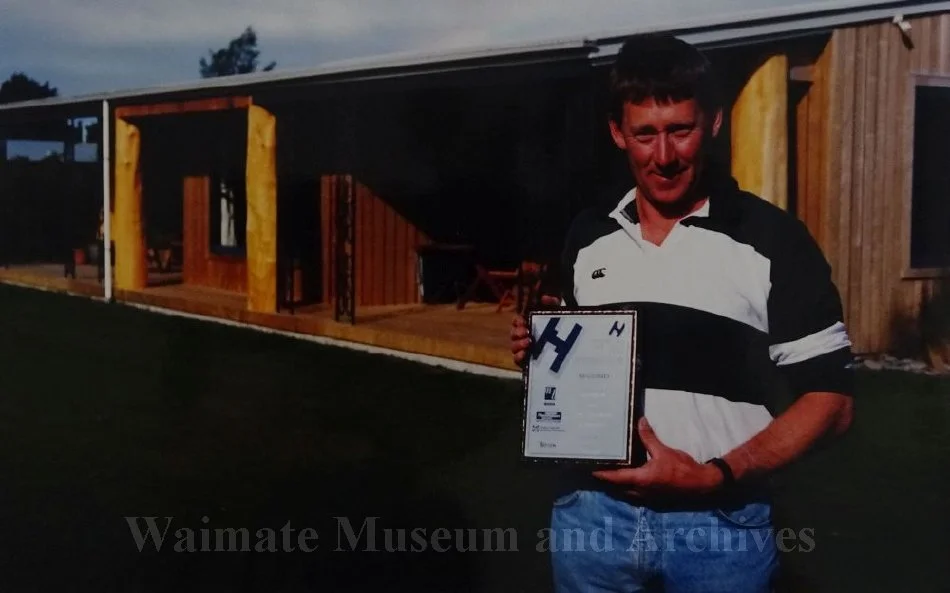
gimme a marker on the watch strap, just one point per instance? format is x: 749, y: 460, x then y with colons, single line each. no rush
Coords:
x: 729, y: 479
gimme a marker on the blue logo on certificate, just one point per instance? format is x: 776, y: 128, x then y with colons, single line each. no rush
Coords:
x: 562, y: 346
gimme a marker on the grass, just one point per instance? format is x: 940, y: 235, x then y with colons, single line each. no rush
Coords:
x: 108, y: 412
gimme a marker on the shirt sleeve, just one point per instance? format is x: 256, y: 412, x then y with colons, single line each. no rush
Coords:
x: 808, y: 340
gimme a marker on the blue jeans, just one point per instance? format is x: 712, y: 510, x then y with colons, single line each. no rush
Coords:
x: 600, y: 543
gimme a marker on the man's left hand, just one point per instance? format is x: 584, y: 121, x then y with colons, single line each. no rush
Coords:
x: 669, y: 471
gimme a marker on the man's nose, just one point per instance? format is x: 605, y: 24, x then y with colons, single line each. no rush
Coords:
x: 665, y: 154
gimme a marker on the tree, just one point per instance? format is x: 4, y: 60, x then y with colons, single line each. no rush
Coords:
x: 20, y: 87
x: 239, y: 57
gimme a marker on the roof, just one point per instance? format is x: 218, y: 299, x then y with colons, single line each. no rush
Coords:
x: 389, y: 65
x: 765, y: 23
x: 753, y: 21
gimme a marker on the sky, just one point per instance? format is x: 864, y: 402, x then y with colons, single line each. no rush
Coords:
x: 84, y: 46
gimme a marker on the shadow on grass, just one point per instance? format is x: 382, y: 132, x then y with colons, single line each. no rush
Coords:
x: 108, y: 412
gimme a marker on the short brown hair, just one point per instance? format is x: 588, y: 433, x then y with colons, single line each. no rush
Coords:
x: 664, y: 68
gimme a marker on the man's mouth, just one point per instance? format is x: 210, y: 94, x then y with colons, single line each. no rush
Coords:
x: 668, y: 178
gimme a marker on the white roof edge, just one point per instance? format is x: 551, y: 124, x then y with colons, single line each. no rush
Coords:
x: 755, y: 25
x: 729, y: 20
x: 736, y: 26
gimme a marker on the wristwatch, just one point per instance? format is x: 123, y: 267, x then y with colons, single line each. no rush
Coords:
x: 728, y: 478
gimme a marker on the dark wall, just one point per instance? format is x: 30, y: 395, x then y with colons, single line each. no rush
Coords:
x: 176, y: 146
x: 499, y: 163
x: 47, y: 208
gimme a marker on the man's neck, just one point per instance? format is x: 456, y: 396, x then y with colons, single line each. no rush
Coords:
x: 657, y: 222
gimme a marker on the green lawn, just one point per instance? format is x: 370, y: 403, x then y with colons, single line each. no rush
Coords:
x: 108, y: 412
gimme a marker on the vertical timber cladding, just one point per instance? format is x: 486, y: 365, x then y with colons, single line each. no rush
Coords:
x: 384, y: 249
x: 343, y: 247
x: 867, y: 128
x: 202, y: 267
x: 131, y: 272
x: 368, y: 244
x: 203, y: 162
x: 344, y: 250
x: 760, y: 132
x: 261, y: 210
x: 818, y: 189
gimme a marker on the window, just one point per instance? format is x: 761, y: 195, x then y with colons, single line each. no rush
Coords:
x: 930, y: 195
x: 228, y: 215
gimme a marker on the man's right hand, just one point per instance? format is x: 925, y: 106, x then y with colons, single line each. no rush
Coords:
x: 521, y: 337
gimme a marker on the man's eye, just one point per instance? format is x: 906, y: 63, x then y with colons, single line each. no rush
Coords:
x: 644, y: 136
x: 683, y: 132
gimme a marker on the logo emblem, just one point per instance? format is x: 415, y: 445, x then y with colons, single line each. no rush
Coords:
x: 617, y: 329
x: 599, y: 273
x: 561, y: 345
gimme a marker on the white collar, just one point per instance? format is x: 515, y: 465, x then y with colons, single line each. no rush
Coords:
x: 620, y: 211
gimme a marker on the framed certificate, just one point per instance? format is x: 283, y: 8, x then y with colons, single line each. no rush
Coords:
x: 580, y: 387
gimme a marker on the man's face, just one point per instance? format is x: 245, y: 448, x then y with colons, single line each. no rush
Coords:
x: 665, y: 146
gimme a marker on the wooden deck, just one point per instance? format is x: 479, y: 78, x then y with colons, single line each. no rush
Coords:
x: 50, y: 276
x: 476, y: 334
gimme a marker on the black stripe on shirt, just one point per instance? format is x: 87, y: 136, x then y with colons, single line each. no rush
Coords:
x: 686, y: 349
x: 831, y: 372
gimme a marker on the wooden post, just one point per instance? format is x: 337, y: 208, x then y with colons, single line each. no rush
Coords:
x: 131, y: 272
x: 760, y: 133
x: 261, y: 210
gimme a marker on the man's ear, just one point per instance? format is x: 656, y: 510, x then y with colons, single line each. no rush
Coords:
x: 616, y: 134
x: 717, y: 123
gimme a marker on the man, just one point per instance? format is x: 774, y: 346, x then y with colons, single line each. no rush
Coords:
x: 737, y: 305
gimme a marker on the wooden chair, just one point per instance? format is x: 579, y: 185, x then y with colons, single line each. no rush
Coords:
x: 510, y: 287
x: 516, y: 287
x: 524, y: 284
x: 495, y: 280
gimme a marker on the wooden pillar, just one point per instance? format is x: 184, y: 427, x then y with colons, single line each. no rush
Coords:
x: 261, y: 210
x: 128, y: 229
x: 760, y: 133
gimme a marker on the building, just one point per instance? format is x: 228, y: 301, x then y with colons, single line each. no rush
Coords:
x: 360, y: 200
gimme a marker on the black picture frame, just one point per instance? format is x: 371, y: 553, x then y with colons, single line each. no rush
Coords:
x: 635, y: 453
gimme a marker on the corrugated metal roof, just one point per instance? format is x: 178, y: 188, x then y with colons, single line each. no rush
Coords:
x: 756, y: 11
x: 712, y: 28
x: 793, y: 19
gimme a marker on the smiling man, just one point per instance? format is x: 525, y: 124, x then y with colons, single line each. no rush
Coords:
x: 737, y: 306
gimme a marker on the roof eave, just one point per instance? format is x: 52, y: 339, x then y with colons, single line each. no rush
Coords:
x: 728, y: 29
x: 389, y: 66
x: 770, y: 25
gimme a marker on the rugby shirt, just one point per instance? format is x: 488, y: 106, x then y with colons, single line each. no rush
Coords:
x: 735, y: 305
